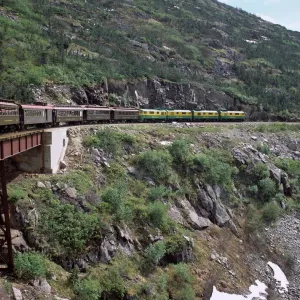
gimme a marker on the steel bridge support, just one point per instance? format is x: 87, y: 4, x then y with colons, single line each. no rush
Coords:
x: 6, y: 251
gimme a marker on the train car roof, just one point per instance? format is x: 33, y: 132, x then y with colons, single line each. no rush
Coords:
x: 32, y: 106
x: 8, y: 103
x: 179, y: 110
x: 232, y: 111
x: 96, y: 108
x: 68, y: 108
x: 152, y: 109
x: 211, y: 111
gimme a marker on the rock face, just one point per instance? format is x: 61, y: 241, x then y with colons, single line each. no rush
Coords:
x: 248, y: 155
x: 210, y: 206
x: 150, y: 93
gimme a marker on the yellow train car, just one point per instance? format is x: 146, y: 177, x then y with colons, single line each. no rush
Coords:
x: 232, y: 115
x: 205, y: 115
x: 179, y: 115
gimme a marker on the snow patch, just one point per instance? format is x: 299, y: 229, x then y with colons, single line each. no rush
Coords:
x: 251, y: 41
x: 258, y: 292
x: 281, y: 280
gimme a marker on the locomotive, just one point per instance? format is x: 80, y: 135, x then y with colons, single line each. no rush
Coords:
x: 14, y: 116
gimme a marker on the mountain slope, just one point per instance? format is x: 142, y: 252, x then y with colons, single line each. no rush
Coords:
x: 81, y: 43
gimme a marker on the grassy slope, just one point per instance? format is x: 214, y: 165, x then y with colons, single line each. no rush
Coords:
x: 82, y: 42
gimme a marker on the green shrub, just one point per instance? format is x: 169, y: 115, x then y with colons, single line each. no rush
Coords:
x: 157, y: 214
x: 260, y: 171
x: 253, y: 190
x: 267, y: 189
x: 214, y: 171
x: 180, y: 151
x: 15, y: 194
x: 157, y: 193
x: 87, y: 289
x: 263, y: 148
x: 154, y: 253
x: 116, y: 196
x: 179, y: 282
x: 292, y: 167
x: 182, y: 273
x: 271, y: 212
x: 156, y: 164
x: 91, y: 141
x: 67, y: 228
x: 110, y: 141
x: 30, y: 265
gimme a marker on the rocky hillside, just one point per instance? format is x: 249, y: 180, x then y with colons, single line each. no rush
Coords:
x: 194, y: 53
x: 159, y: 214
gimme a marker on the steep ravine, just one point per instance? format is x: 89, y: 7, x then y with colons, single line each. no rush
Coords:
x: 160, y: 211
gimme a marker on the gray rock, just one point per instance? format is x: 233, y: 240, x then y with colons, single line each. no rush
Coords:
x: 40, y: 185
x: 63, y: 165
x: 175, y: 215
x: 196, y: 221
x: 71, y: 192
x: 275, y: 174
x: 42, y: 285
x: 48, y: 185
x: 17, y: 294
x: 254, y: 138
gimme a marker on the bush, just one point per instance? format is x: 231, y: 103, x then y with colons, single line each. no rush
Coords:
x: 30, y: 266
x: 15, y: 194
x: 115, y: 196
x: 267, y: 189
x: 156, y: 163
x: 109, y: 140
x: 68, y: 228
x: 260, y: 171
x: 157, y: 214
x: 263, y: 148
x: 179, y: 282
x: 87, y: 289
x: 214, y: 171
x: 154, y: 253
x: 180, y: 151
x: 253, y: 190
x: 157, y: 193
x: 271, y: 212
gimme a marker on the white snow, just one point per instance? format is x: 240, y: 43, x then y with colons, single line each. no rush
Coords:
x: 281, y: 280
x: 258, y: 291
x: 251, y: 41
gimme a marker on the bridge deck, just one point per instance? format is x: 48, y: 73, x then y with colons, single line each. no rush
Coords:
x: 16, y: 142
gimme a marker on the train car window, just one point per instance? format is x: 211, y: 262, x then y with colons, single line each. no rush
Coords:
x: 184, y: 113
x: 237, y: 114
x: 151, y: 112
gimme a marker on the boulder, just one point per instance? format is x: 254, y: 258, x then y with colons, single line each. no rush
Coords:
x: 210, y: 205
x: 63, y: 165
x: 42, y: 285
x: 16, y: 293
x: 196, y: 221
x: 71, y: 192
x: 40, y: 185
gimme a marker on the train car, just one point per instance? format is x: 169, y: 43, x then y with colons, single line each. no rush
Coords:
x: 205, y: 115
x: 179, y: 115
x: 232, y: 116
x: 124, y: 114
x: 67, y: 114
x: 36, y: 115
x: 152, y: 115
x: 9, y: 115
x: 96, y: 114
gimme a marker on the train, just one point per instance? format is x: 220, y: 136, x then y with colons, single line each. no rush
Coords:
x: 14, y: 116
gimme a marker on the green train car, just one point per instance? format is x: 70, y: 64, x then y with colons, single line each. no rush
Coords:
x: 152, y: 115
